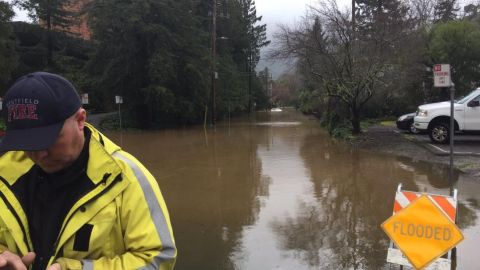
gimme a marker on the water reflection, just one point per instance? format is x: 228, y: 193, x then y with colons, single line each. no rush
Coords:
x: 351, y: 202
x: 211, y: 183
x: 274, y: 192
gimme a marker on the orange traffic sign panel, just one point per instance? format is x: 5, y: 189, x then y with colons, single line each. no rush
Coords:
x: 422, y: 232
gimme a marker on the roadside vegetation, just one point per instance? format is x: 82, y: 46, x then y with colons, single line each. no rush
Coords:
x: 377, y: 63
x: 156, y: 54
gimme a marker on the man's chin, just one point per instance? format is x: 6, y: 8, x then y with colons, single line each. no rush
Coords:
x: 50, y: 168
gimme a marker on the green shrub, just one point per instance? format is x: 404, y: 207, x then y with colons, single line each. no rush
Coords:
x: 337, y: 126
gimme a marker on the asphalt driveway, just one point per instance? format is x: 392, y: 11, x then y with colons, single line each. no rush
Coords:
x: 388, y: 139
x: 463, y: 145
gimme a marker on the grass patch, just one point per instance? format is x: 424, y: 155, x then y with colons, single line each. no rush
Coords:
x: 365, y: 124
x: 342, y: 131
x: 388, y: 123
x: 409, y: 137
x: 468, y: 166
x: 342, y: 128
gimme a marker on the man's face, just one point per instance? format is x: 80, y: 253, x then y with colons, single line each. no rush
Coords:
x: 66, y: 149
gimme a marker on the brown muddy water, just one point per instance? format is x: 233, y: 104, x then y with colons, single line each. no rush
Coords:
x: 275, y: 192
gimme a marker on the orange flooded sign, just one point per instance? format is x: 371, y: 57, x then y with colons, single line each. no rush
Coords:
x: 422, y: 232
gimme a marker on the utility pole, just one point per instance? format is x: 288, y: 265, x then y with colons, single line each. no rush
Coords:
x: 249, y: 79
x: 214, y: 64
x: 267, y: 77
x: 250, y: 69
x: 266, y: 81
x: 270, y: 91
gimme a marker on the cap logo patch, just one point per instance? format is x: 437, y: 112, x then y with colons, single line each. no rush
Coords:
x: 22, y: 108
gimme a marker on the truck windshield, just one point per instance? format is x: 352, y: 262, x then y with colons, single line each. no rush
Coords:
x: 471, y: 95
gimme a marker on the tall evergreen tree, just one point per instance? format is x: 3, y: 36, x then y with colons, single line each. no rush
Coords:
x: 8, y: 56
x: 382, y: 21
x: 153, y: 53
x: 387, y: 26
x: 53, y: 14
x: 233, y: 47
x: 256, y: 38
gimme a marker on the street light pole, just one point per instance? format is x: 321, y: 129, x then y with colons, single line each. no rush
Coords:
x: 214, y: 64
x: 250, y: 83
x: 250, y: 71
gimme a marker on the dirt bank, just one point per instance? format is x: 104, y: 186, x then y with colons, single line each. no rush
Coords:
x: 387, y: 139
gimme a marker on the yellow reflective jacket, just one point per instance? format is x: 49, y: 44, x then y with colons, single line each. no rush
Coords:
x: 127, y: 217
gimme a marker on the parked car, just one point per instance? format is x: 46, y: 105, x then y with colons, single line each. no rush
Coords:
x: 405, y: 122
x: 435, y: 117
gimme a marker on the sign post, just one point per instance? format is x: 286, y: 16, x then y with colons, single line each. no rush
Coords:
x: 442, y: 78
x: 119, y: 101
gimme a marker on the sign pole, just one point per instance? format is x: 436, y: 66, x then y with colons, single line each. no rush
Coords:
x: 120, y: 116
x: 119, y: 101
x: 442, y: 78
x: 452, y: 132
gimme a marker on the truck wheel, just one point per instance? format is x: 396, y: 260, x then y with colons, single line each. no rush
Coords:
x: 439, y: 133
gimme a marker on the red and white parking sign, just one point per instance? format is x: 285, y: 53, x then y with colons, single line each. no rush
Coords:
x: 441, y: 75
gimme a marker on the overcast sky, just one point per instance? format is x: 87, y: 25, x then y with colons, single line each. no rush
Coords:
x: 20, y: 15
x: 288, y: 12
x: 276, y: 12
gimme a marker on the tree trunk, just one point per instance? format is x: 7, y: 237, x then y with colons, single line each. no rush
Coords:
x: 355, y: 119
x: 49, y: 42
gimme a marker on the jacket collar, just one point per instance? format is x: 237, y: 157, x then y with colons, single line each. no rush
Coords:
x: 101, y: 161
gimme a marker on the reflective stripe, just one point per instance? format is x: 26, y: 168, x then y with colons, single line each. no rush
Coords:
x: 159, y: 220
x: 402, y: 200
x: 87, y: 264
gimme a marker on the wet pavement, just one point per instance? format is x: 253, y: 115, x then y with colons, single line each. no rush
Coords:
x: 463, y: 145
x: 97, y: 118
x: 276, y: 192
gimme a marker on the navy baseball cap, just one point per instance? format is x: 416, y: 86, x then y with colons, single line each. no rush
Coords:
x: 35, y: 108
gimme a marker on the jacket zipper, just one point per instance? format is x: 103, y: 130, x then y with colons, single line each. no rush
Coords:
x: 117, y: 179
x: 15, y: 214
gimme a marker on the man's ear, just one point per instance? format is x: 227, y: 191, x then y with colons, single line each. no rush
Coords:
x: 81, y: 117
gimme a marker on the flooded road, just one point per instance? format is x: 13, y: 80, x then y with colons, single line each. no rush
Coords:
x: 275, y: 192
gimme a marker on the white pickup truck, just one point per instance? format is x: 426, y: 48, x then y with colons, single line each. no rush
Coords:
x: 435, y: 117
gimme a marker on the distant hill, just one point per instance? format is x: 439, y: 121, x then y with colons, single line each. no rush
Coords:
x: 277, y: 67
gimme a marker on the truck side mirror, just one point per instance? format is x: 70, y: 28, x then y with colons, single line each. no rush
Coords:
x: 473, y: 103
